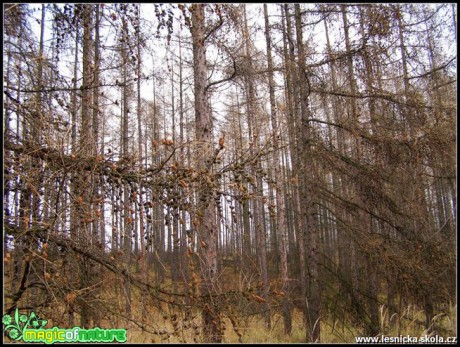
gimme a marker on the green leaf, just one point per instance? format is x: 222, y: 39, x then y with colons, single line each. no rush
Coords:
x: 14, y: 334
x: 6, y: 319
x: 16, y: 316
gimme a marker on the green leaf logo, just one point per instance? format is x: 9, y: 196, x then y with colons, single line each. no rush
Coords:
x: 13, y: 328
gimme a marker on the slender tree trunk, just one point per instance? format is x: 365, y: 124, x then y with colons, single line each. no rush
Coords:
x: 127, y: 216
x: 143, y: 260
x: 95, y: 124
x: 207, y: 233
x: 280, y: 209
x: 85, y: 150
x: 174, y: 260
x: 296, y: 239
x: 183, y: 238
x: 308, y: 199
x: 372, y: 285
x: 254, y: 136
x: 354, y: 288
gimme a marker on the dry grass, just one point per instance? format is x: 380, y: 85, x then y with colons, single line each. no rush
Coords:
x: 411, y: 321
x: 254, y: 330
x: 169, y: 324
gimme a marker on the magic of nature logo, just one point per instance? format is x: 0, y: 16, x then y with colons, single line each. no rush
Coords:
x: 30, y: 328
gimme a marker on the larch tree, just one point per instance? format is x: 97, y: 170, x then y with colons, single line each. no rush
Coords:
x: 205, y: 223
x: 280, y: 206
x: 238, y: 167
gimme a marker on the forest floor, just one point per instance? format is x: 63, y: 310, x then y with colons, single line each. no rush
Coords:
x: 255, y: 331
x: 167, y: 323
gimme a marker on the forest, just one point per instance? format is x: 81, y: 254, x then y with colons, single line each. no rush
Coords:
x: 231, y: 173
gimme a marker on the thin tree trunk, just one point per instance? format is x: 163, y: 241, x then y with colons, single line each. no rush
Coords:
x: 280, y: 209
x: 309, y: 207
x: 258, y: 210
x: 127, y: 217
x: 212, y: 329
x: 298, y: 239
x: 85, y: 149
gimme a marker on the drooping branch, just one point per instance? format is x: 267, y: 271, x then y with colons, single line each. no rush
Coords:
x: 214, y: 28
x: 232, y: 76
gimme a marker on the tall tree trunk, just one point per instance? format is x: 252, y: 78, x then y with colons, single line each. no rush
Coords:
x: 85, y: 150
x: 174, y: 256
x: 207, y: 228
x: 95, y: 124
x: 370, y: 269
x: 308, y: 172
x: 127, y: 217
x: 354, y: 289
x: 254, y: 137
x: 296, y: 239
x: 280, y: 208
x: 183, y: 237
x: 142, y: 232
x: 343, y: 241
